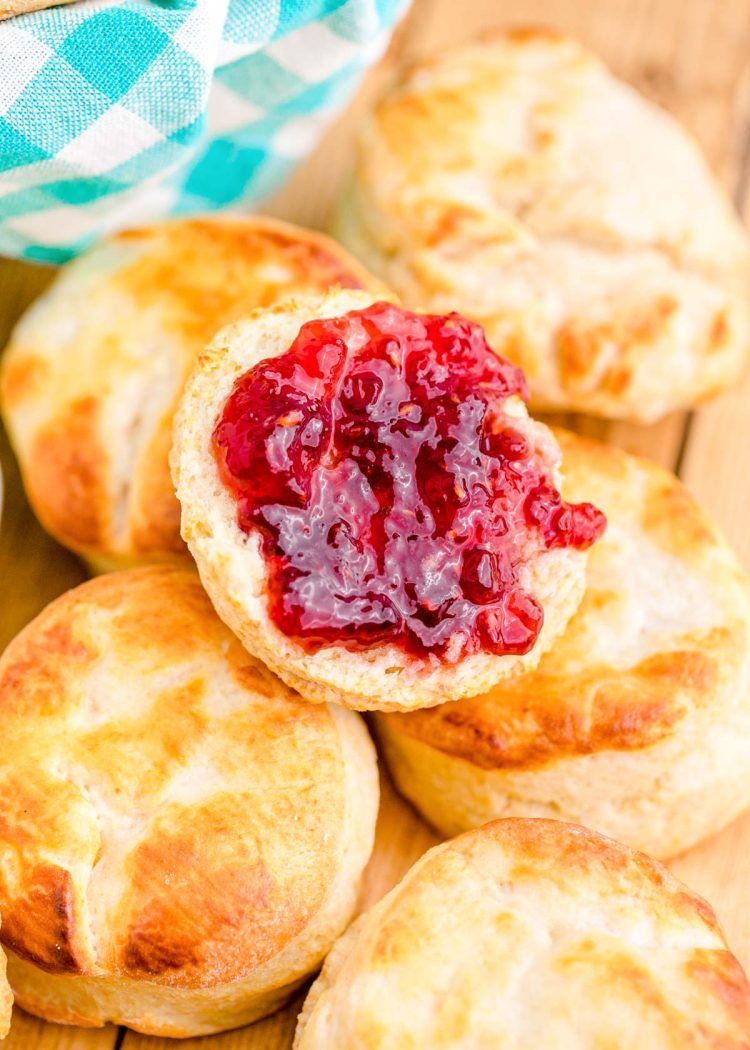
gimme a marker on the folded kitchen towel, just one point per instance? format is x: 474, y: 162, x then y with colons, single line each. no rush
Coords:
x: 116, y: 112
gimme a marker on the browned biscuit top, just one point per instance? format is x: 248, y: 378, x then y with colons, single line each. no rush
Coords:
x: 532, y: 933
x: 516, y: 179
x: 662, y: 629
x: 173, y: 812
x: 93, y: 373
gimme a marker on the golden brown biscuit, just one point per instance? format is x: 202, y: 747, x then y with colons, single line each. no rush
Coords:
x: 9, y: 8
x: 235, y: 574
x: 637, y: 721
x: 181, y: 837
x: 6, y: 998
x: 517, y: 180
x: 531, y: 934
x: 92, y: 375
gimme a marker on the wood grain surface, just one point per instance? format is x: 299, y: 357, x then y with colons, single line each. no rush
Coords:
x: 692, y: 56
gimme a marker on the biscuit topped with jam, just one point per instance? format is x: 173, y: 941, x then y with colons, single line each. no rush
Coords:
x: 394, y: 495
x: 371, y: 508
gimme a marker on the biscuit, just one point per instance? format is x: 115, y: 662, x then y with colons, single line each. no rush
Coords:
x: 637, y: 722
x: 517, y: 180
x: 181, y: 837
x: 236, y: 575
x: 10, y: 8
x: 94, y: 369
x: 531, y: 933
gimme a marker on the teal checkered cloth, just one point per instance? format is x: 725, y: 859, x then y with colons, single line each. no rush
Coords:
x: 116, y: 112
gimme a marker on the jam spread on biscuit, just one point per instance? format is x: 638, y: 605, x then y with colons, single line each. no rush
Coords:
x: 395, y: 499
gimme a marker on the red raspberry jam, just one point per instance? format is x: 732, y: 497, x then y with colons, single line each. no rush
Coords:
x: 394, y: 497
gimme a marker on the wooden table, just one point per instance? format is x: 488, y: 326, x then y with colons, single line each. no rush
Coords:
x: 691, y: 56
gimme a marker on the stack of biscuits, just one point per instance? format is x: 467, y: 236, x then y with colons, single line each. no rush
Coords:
x: 323, y: 525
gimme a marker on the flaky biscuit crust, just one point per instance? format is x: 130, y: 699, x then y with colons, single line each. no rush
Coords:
x: 181, y: 836
x: 93, y: 372
x: 233, y: 570
x: 531, y: 933
x: 637, y: 722
x: 517, y: 180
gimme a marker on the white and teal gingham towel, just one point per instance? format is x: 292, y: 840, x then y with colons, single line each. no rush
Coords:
x: 116, y: 112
